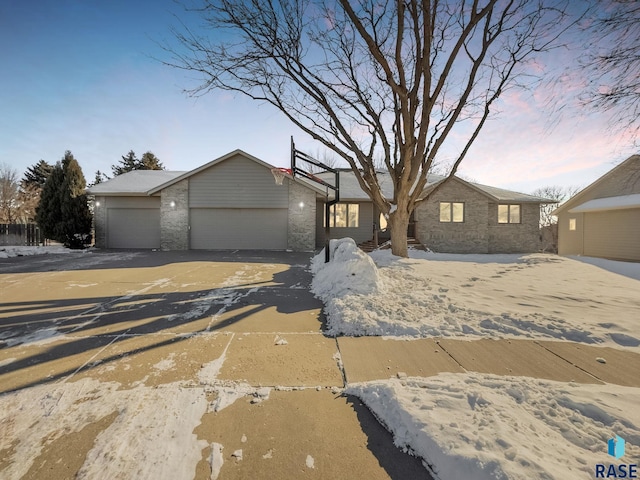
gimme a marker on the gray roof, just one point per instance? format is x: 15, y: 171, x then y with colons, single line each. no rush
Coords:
x: 608, y: 203
x: 350, y: 188
x: 502, y: 195
x: 585, y: 194
x: 145, y: 182
x: 136, y: 182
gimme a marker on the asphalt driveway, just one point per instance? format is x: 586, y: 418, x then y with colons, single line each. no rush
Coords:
x: 217, y: 327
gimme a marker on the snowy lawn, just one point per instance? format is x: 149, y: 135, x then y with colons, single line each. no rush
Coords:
x: 480, y: 426
x: 535, y: 296
x: 488, y: 427
x: 21, y: 251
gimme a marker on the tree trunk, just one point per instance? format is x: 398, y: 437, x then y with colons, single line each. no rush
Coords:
x: 398, y: 223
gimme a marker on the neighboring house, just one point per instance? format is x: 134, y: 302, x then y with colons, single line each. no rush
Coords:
x: 460, y: 217
x: 234, y: 203
x: 603, y: 220
x: 229, y: 203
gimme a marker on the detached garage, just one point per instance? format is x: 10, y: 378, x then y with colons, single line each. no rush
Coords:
x: 230, y: 203
x: 603, y: 220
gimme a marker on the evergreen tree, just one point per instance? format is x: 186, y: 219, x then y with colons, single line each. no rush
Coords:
x: 63, y: 212
x: 76, y: 216
x: 31, y: 188
x: 99, y: 178
x: 130, y: 162
x: 36, y: 175
x: 150, y: 162
x: 48, y: 211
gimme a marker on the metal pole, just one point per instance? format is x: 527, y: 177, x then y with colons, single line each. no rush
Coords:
x: 327, y: 230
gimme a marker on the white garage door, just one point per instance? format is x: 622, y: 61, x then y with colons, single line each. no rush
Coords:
x: 133, y: 228
x: 238, y: 228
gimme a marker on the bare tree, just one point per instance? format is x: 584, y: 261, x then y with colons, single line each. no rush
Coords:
x: 612, y: 62
x: 373, y: 79
x: 549, y: 222
x: 10, y: 201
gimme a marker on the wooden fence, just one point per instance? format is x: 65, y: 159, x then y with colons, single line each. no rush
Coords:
x: 20, y: 234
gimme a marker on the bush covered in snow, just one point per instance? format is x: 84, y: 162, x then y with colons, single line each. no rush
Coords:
x: 349, y: 271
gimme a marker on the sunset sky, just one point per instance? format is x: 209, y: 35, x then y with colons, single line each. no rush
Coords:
x: 81, y: 75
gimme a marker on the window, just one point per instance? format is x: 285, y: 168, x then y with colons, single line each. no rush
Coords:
x: 508, y: 213
x: 451, y: 212
x: 572, y: 224
x: 343, y: 215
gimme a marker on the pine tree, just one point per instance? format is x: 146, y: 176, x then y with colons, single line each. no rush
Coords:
x: 75, y: 207
x: 31, y: 188
x: 63, y: 212
x: 99, y: 178
x: 36, y: 175
x: 48, y: 211
x: 150, y: 162
x: 130, y: 162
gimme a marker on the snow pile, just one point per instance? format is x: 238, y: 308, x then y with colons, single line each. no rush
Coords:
x: 484, y: 426
x: 350, y: 271
x: 533, y: 296
x: 21, y: 251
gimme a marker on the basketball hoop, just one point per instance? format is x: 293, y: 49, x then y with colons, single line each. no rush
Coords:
x: 279, y: 174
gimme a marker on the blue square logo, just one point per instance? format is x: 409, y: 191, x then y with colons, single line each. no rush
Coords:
x: 616, y: 446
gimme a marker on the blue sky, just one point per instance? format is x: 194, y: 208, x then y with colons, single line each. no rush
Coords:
x: 80, y: 75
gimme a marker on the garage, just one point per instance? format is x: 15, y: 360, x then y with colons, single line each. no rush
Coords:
x: 230, y: 203
x: 613, y: 234
x: 238, y: 228
x: 133, y: 228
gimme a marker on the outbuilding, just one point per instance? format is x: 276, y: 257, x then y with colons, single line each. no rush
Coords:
x: 603, y: 220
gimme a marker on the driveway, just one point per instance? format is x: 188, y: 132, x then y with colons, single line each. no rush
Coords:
x: 176, y: 365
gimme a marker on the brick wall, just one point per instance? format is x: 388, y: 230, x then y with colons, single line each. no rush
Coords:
x: 470, y: 236
x: 302, y: 218
x: 174, y: 220
x: 480, y: 231
x: 523, y: 237
x: 100, y: 222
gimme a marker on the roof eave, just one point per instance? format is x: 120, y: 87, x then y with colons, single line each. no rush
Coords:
x: 118, y: 194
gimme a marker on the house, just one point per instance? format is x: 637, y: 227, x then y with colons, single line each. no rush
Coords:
x: 233, y: 203
x: 603, y: 220
x: 460, y: 217
x: 229, y: 203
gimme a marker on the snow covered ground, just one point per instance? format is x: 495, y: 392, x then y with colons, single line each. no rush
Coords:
x: 484, y: 426
x: 20, y: 251
x: 488, y: 427
x: 535, y: 296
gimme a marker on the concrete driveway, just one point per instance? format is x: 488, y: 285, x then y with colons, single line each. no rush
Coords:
x: 92, y: 346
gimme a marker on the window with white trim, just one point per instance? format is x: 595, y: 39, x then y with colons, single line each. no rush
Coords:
x: 509, y: 214
x: 344, y: 215
x: 451, y: 212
